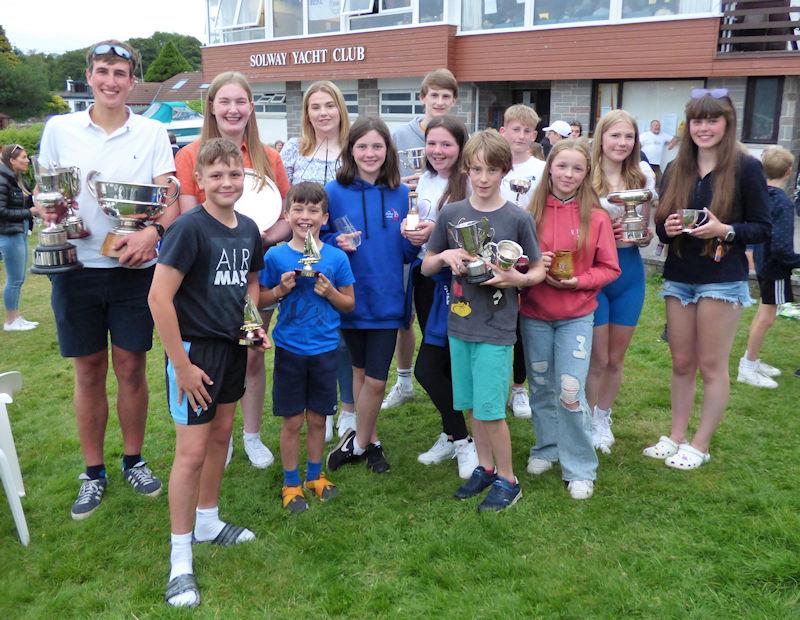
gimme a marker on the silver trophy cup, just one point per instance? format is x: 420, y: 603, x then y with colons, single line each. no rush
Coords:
x: 474, y: 236
x: 58, y: 188
x: 519, y: 186
x: 634, y: 228
x: 132, y: 204
x: 414, y: 159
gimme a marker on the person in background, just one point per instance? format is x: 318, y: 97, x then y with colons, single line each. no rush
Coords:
x: 774, y: 263
x: 278, y: 146
x: 653, y: 144
x: 15, y: 219
x: 173, y: 142
x: 577, y: 129
x: 558, y: 130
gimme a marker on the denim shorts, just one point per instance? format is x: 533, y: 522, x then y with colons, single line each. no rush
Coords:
x: 737, y: 293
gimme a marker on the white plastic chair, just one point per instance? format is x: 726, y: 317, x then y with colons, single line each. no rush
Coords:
x: 10, y: 472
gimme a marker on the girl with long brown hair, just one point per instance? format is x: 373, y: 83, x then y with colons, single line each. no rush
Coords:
x: 713, y: 203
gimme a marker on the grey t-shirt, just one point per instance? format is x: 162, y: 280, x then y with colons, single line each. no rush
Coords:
x: 408, y: 136
x: 481, y: 313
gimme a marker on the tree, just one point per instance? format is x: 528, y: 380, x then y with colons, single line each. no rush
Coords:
x: 150, y: 47
x: 169, y: 62
x: 69, y: 65
x: 5, y: 46
x: 24, y: 91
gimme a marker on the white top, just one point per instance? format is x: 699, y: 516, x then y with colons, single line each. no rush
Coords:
x: 616, y: 211
x: 653, y: 145
x: 430, y: 188
x: 533, y: 169
x: 137, y: 152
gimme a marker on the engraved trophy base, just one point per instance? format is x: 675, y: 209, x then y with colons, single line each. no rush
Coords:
x: 478, y: 272
x: 107, y: 249
x: 55, y: 259
x: 75, y: 227
x: 249, y: 338
x: 306, y: 273
x: 634, y: 235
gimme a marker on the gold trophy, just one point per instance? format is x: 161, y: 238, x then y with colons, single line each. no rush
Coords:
x: 252, y: 322
x: 310, y: 256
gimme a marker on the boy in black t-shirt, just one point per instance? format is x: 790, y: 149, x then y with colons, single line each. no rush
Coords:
x: 209, y: 262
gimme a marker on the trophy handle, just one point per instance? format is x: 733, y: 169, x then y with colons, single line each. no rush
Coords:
x: 171, y: 180
x: 90, y: 179
x: 75, y: 180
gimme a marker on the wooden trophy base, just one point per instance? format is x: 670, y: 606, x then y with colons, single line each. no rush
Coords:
x: 107, y: 249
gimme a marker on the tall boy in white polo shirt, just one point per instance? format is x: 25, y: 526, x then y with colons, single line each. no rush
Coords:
x: 109, y: 296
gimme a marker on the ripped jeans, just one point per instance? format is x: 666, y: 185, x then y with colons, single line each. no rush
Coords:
x: 557, y: 355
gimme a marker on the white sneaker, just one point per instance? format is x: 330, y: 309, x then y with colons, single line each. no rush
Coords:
x: 767, y: 370
x: 346, y: 422
x: 755, y: 378
x: 519, y: 404
x: 538, y: 466
x: 36, y: 324
x: 581, y: 489
x: 328, y: 428
x: 602, y: 437
x: 259, y: 455
x: 467, y: 457
x: 397, y: 396
x: 230, y: 452
x: 442, y: 450
x: 18, y: 325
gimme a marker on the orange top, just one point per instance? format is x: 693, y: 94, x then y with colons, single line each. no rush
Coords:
x: 186, y: 159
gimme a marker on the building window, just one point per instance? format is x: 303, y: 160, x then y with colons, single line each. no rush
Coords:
x: 607, y: 96
x: 365, y: 14
x: 270, y: 102
x: 560, y: 12
x: 401, y: 103
x: 489, y: 14
x: 762, y: 109
x: 662, y: 8
x: 431, y: 11
x: 351, y: 101
x: 287, y: 18
x: 323, y: 16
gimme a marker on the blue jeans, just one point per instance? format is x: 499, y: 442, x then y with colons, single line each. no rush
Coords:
x: 561, y: 351
x: 14, y: 249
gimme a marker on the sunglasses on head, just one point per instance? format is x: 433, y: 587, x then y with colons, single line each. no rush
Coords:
x: 109, y: 48
x: 716, y: 93
x: 16, y: 149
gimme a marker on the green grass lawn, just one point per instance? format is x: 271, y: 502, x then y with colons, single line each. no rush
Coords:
x: 720, y: 542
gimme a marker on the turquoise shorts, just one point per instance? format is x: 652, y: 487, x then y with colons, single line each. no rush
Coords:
x: 481, y: 377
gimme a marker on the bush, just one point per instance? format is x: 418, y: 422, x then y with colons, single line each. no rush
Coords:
x: 29, y: 136
x: 196, y: 105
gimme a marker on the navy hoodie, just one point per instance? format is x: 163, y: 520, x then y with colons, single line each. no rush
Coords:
x: 776, y: 258
x: 377, y: 264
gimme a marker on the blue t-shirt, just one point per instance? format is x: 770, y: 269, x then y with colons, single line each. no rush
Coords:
x: 307, y: 324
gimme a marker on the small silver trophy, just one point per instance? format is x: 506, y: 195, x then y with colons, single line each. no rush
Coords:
x: 133, y: 204
x: 66, y: 182
x: 509, y: 254
x: 414, y: 159
x: 474, y: 236
x: 634, y: 228
x: 252, y: 321
x: 310, y: 257
x: 519, y: 186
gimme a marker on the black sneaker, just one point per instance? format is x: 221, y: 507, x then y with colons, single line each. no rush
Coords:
x: 502, y: 495
x: 88, y: 497
x: 142, y: 479
x: 343, y: 452
x: 376, y: 460
x: 478, y: 481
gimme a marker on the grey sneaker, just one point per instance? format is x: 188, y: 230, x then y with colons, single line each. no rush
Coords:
x: 88, y: 497
x: 142, y: 479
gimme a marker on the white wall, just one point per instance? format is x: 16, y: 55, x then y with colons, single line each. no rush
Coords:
x: 271, y: 127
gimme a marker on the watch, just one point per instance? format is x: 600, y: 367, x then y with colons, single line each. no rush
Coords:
x: 159, y: 229
x: 730, y: 235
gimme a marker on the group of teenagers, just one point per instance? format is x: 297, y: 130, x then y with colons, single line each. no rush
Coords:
x: 566, y: 335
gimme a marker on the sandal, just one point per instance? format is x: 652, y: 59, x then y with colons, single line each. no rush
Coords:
x: 665, y: 448
x: 323, y: 488
x: 181, y: 585
x: 227, y: 537
x: 688, y: 457
x: 293, y: 499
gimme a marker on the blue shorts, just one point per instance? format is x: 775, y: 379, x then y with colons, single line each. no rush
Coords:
x: 90, y: 303
x: 621, y: 301
x: 226, y: 365
x: 481, y: 377
x: 737, y: 293
x: 371, y: 350
x: 303, y: 383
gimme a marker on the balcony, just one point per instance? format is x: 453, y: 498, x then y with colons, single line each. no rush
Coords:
x: 759, y: 28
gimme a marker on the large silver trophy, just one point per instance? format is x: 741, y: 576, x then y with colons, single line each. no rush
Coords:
x: 133, y: 204
x: 634, y: 228
x: 54, y: 181
x: 415, y: 160
x: 57, y: 189
x: 475, y: 236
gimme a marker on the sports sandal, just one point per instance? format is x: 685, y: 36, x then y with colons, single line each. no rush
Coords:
x: 661, y: 450
x: 227, y: 537
x: 181, y: 585
x: 323, y: 488
x: 688, y: 457
x: 293, y: 499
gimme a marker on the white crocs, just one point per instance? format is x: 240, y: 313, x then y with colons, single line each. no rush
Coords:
x: 665, y: 448
x: 687, y: 457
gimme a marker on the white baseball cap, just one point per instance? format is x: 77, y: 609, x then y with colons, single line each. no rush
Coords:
x: 562, y: 128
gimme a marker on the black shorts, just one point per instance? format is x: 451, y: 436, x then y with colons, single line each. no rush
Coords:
x: 776, y: 292
x: 371, y: 350
x: 90, y: 303
x: 303, y: 383
x: 226, y: 365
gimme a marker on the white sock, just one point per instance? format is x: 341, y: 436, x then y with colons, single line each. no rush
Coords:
x: 180, y: 558
x: 357, y: 450
x: 603, y: 413
x: 252, y: 437
x: 208, y: 525
x: 404, y: 378
x: 746, y: 364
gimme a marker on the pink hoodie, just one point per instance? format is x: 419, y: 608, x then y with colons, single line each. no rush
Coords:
x: 595, y: 266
